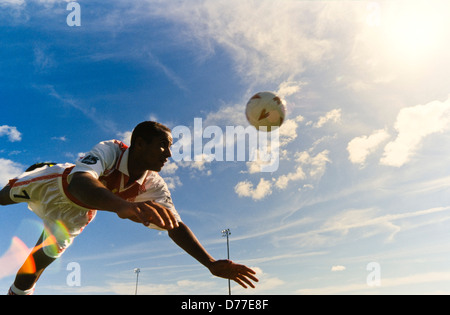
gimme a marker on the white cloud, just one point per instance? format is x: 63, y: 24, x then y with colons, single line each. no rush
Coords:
x: 173, y: 182
x: 338, y: 268
x: 198, y: 164
x: 62, y: 138
x: 12, y: 2
x: 11, y: 132
x: 227, y: 115
x: 414, y: 124
x: 332, y: 116
x: 246, y: 189
x: 307, y: 168
x: 316, y: 165
x: 169, y: 168
x: 250, y: 32
x: 360, y: 148
x: 283, y: 181
x: 288, y: 130
x: 125, y: 137
x: 9, y: 170
x: 288, y: 88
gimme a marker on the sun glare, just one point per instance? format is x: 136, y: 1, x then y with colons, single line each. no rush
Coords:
x: 418, y: 30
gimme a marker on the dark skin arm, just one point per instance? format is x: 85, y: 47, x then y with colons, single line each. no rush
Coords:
x: 184, y: 238
x: 92, y: 192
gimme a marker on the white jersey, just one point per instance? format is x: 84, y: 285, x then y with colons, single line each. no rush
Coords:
x: 108, y: 162
x: 45, y: 189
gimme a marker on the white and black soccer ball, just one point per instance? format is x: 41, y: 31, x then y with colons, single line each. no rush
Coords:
x: 266, y: 111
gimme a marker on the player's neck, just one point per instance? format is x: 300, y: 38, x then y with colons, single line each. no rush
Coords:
x: 135, y: 169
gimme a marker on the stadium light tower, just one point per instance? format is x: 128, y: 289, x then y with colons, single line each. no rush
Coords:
x: 136, y: 271
x: 226, y: 233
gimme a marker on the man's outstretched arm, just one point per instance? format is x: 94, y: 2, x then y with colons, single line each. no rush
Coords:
x: 227, y: 269
x: 93, y: 193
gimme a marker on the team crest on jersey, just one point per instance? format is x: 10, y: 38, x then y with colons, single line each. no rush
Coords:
x: 90, y: 160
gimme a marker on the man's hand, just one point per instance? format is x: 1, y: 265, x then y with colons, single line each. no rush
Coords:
x: 89, y: 190
x: 229, y: 270
x: 148, y: 212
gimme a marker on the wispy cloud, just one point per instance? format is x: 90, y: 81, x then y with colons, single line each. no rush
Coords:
x: 340, y: 225
x: 89, y: 112
x: 11, y: 132
x: 12, y: 2
x: 331, y: 116
x: 167, y: 71
x: 243, y: 29
x: 386, y: 283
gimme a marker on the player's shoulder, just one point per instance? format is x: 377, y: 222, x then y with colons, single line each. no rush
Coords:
x: 154, y: 176
x: 107, y: 151
x: 110, y: 147
x: 155, y: 180
x: 116, y: 144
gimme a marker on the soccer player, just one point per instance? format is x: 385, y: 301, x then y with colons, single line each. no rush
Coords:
x: 111, y: 177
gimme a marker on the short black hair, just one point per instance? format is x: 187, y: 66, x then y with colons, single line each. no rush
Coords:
x: 148, y: 130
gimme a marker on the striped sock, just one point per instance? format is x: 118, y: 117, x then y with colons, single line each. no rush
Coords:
x: 13, y: 290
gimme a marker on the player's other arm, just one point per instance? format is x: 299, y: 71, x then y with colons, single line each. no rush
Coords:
x: 93, y: 193
x: 227, y: 269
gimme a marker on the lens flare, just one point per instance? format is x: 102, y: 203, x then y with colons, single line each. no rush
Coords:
x: 57, y: 239
x: 15, y: 257
x: 19, y: 255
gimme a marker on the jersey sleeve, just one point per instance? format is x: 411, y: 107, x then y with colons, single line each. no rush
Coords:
x: 97, y: 161
x: 156, y: 190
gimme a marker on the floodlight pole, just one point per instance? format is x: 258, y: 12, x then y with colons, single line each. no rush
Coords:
x: 226, y: 233
x: 136, y: 271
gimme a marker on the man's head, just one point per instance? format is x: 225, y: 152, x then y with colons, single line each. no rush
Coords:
x: 150, y: 144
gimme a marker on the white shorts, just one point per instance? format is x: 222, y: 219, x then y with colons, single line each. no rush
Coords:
x: 43, y: 190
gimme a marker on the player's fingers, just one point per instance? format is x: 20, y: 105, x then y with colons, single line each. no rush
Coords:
x: 252, y: 277
x: 167, y: 216
x: 246, y: 271
x: 245, y: 275
x: 243, y: 279
x: 152, y: 215
x: 162, y: 213
x: 240, y: 283
x: 141, y: 216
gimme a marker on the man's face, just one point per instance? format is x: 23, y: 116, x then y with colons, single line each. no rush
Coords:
x: 156, y: 153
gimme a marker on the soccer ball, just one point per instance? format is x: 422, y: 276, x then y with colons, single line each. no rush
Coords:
x: 266, y: 111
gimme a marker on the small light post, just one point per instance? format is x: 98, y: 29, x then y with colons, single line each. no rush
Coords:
x: 226, y: 233
x: 136, y: 271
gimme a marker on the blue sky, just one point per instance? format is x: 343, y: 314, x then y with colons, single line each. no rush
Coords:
x: 364, y: 161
